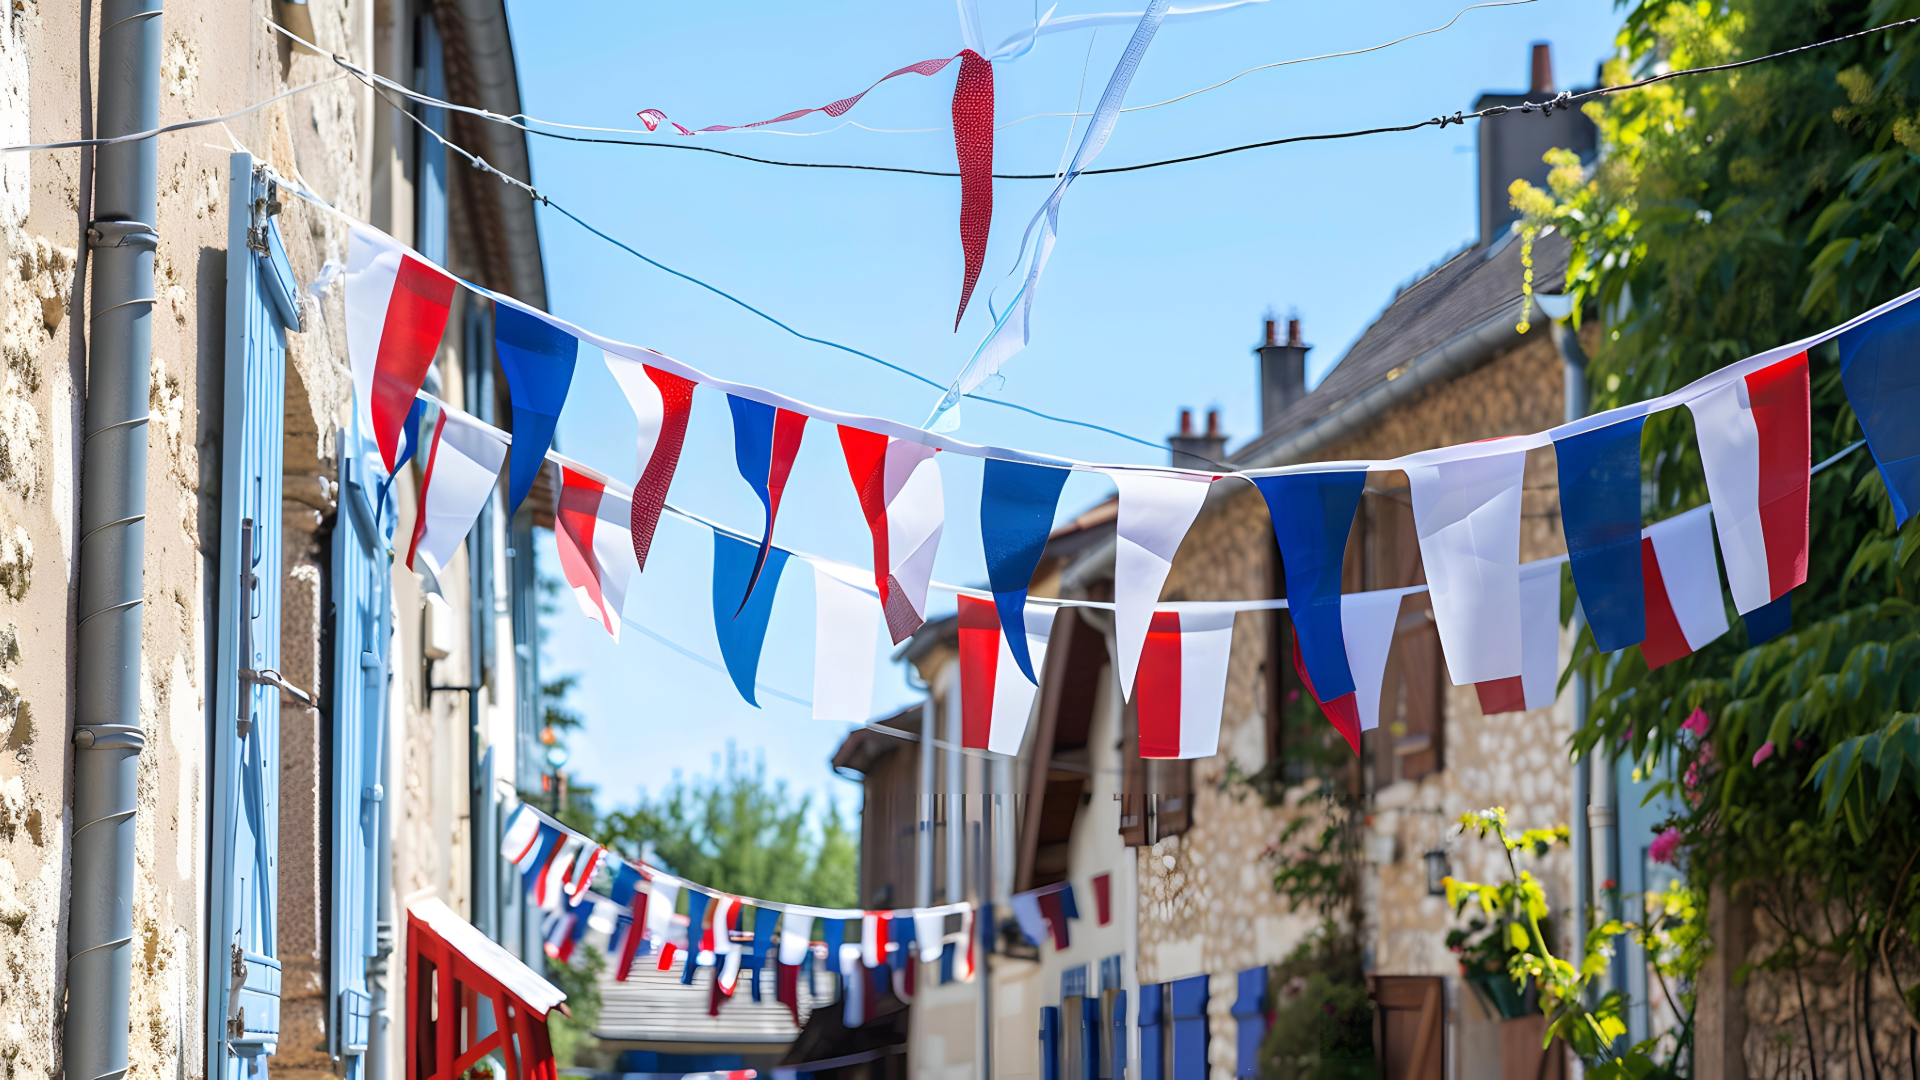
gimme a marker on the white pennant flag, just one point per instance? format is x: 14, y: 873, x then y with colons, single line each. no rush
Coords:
x: 846, y: 637
x: 796, y: 937
x: 461, y: 459
x: 1467, y: 514
x: 1367, y: 621
x: 1156, y: 510
x: 928, y: 931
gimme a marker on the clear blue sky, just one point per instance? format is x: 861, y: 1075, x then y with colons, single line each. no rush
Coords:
x: 1152, y: 301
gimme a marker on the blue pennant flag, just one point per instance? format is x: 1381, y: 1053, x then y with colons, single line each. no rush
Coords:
x: 1017, y: 502
x: 696, y: 914
x: 742, y: 630
x: 765, y: 440
x: 1312, y: 515
x: 1600, y: 510
x: 1883, y: 385
x: 538, y: 358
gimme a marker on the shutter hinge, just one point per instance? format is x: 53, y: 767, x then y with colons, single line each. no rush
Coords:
x: 375, y: 793
x: 263, y: 209
x: 237, y: 1022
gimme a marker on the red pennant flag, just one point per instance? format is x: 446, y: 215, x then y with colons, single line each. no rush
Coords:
x: 973, y: 148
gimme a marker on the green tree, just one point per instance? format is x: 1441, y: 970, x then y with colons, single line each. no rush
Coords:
x: 740, y: 834
x: 1731, y: 213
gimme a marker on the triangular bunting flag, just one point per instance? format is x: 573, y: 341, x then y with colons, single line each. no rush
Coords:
x: 898, y: 484
x: 1312, y: 514
x: 1685, y: 608
x: 995, y: 698
x: 462, y: 466
x: 661, y: 403
x: 1017, y: 502
x: 538, y: 358
x: 397, y: 307
x: 1156, y: 510
x: 742, y: 630
x: 1535, y: 687
x: 590, y: 530
x: 1183, y: 684
x: 1883, y: 386
x: 1367, y: 623
x: 1600, y: 512
x: 973, y: 148
x: 1467, y: 514
x: 1756, y: 447
x: 845, y: 639
x: 765, y: 440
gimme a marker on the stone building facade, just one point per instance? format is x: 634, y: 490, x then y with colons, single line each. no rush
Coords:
x: 365, y: 157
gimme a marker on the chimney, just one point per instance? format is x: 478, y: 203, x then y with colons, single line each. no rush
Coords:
x: 1513, y: 144
x: 1283, y: 372
x: 1190, y: 451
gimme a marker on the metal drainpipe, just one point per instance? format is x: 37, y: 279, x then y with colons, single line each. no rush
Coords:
x: 1567, y: 343
x: 107, y: 738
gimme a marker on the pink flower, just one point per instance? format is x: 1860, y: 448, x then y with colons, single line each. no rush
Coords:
x: 1762, y: 754
x: 1697, y: 723
x: 1661, y: 850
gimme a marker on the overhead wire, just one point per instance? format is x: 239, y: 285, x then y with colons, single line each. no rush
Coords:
x: 534, y: 193
x: 1565, y: 99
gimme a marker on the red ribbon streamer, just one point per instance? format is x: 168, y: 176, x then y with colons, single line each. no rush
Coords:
x: 973, y: 146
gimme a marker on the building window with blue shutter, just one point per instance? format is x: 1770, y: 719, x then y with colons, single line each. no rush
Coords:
x: 1153, y: 1033
x: 1250, y: 1013
x: 1049, y: 1043
x: 362, y: 627
x: 1188, y: 1009
x: 243, y: 969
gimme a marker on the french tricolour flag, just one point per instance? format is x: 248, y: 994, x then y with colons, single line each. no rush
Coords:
x: 661, y: 402
x: 462, y: 466
x: 1182, y: 683
x: 1685, y: 611
x: 1756, y: 445
x: 590, y: 529
x: 898, y: 483
x: 397, y: 306
x: 995, y: 698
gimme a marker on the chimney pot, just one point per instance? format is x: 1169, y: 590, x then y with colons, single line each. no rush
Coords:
x: 1542, y: 83
x: 1186, y: 421
x: 1283, y: 379
x: 1213, y: 423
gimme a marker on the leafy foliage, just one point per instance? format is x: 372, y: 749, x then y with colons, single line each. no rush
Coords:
x: 1728, y: 214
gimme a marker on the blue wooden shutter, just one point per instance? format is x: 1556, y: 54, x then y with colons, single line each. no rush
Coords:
x: 361, y: 630
x: 1050, y: 1042
x: 1250, y: 1010
x: 1188, y: 998
x: 1153, y: 1036
x: 243, y: 969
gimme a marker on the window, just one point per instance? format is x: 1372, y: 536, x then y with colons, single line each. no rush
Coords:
x: 361, y: 630
x: 243, y: 969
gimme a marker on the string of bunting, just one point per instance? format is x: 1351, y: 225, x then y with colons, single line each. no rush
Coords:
x: 635, y: 917
x: 1752, y: 418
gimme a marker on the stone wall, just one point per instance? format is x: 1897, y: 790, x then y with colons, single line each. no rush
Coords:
x: 47, y: 97
x: 1207, y: 902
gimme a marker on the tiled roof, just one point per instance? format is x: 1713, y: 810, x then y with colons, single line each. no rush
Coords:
x: 653, y: 1006
x: 1457, y: 295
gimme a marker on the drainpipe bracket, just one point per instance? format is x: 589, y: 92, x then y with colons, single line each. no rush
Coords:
x: 109, y: 737
x: 111, y: 234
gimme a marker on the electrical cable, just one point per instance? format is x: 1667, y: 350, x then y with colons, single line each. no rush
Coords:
x: 1566, y: 99
x: 182, y: 126
x: 481, y: 163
